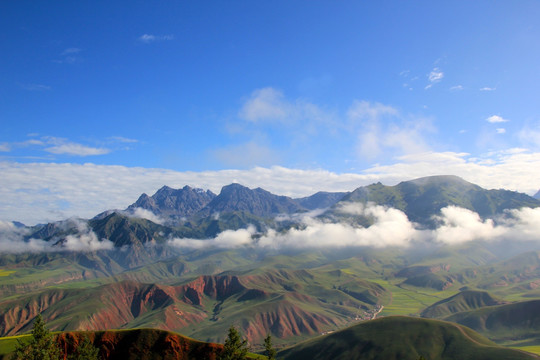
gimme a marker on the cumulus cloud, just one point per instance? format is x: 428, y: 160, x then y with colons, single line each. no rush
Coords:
x: 494, y: 119
x: 461, y: 225
x: 390, y: 228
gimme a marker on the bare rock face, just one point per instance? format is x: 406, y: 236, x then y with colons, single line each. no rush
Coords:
x: 258, y: 202
x: 174, y: 203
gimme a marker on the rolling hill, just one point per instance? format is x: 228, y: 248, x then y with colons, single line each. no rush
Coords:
x: 402, y: 338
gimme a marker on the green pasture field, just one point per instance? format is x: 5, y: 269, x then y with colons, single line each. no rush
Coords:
x: 8, y: 344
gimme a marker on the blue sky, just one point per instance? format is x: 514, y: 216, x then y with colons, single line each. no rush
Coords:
x: 369, y: 91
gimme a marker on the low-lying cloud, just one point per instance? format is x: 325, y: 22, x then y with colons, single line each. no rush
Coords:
x: 141, y: 213
x: 227, y: 239
x: 390, y: 227
x: 14, y: 239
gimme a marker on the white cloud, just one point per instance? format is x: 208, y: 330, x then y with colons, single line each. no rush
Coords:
x: 85, y: 240
x: 461, y: 225
x: 435, y: 76
x: 494, y: 119
x: 270, y: 105
x: 395, y: 134
x: 390, y: 227
x: 148, y: 38
x: 266, y: 104
x: 123, y: 139
x: 509, y: 169
x: 456, y: 88
x: 40, y: 192
x: 5, y: 147
x: 500, y: 130
x: 227, y: 239
x: 146, y: 214
x: 12, y: 239
x: 367, y: 111
x: 530, y: 136
x: 488, y: 89
x: 76, y: 150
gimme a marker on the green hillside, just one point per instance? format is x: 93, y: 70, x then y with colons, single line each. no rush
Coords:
x: 423, y: 198
x: 517, y: 323
x: 463, y: 301
x: 402, y: 338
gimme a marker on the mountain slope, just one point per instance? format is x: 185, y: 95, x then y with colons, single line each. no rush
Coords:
x: 423, y: 198
x: 174, y: 203
x: 402, y: 338
x: 504, y: 323
x: 258, y: 202
x: 463, y: 301
x: 320, y: 200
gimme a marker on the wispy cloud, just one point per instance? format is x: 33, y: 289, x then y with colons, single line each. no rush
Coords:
x: 71, y: 51
x: 35, y: 87
x: 149, y: 38
x: 494, y: 119
x: 435, y: 76
x: 486, y: 88
x: 5, y: 147
x: 456, y: 88
x: 501, y: 130
x: 69, y: 56
x: 247, y: 155
x: 376, y: 136
x: 122, y: 139
x: 76, y: 150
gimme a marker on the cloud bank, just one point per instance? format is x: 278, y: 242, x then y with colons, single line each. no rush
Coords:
x: 391, y: 227
x: 83, y: 239
x: 43, y: 192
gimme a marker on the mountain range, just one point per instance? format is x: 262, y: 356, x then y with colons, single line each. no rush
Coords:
x: 191, y: 261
